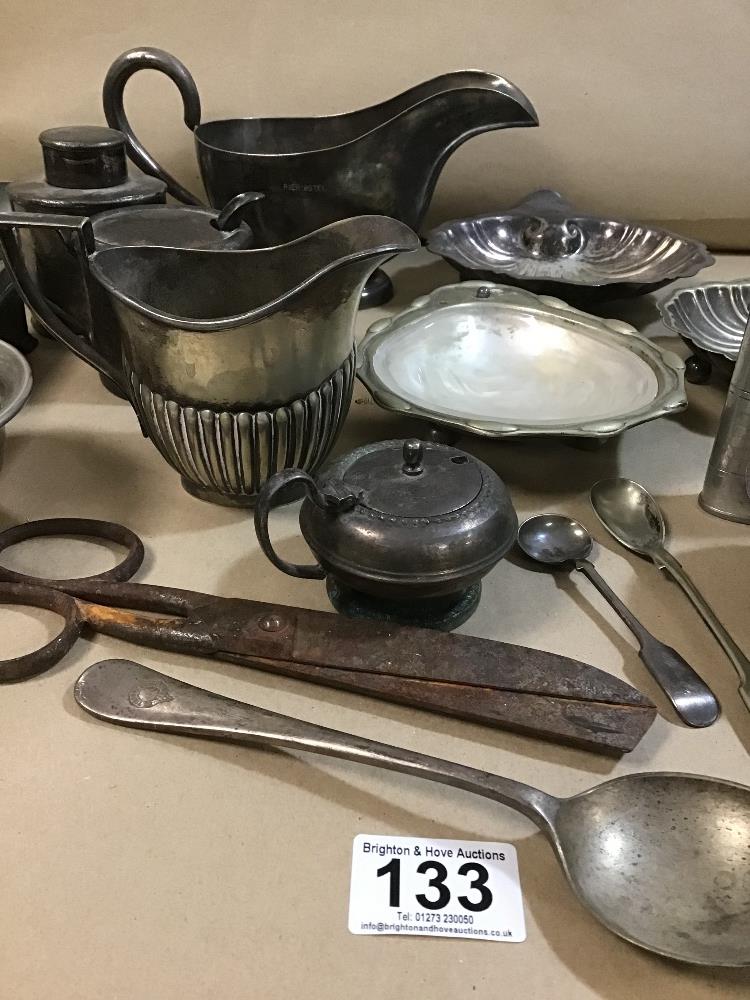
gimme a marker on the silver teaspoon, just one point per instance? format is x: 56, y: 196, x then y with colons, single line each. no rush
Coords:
x: 632, y: 516
x: 644, y: 853
x: 555, y: 540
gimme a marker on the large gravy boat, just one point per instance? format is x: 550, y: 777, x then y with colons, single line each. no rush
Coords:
x: 238, y: 363
x: 384, y: 159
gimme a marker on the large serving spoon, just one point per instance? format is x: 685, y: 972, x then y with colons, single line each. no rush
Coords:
x: 556, y: 540
x: 633, y: 517
x: 661, y: 859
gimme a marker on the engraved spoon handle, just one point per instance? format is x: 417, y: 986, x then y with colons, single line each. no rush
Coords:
x: 666, y: 561
x: 690, y: 696
x: 127, y: 693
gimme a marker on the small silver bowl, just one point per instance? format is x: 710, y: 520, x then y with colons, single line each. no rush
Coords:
x: 15, y: 382
x: 545, y: 246
x: 711, y: 319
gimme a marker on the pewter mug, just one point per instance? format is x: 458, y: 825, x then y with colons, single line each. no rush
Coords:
x: 238, y: 363
x: 726, y: 488
x: 384, y: 159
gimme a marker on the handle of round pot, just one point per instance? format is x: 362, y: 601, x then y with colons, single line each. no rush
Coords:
x: 234, y: 212
x: 117, y: 76
x: 30, y: 292
x: 263, y: 506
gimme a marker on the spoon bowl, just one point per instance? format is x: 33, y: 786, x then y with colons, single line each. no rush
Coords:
x: 554, y: 539
x: 630, y: 513
x: 664, y: 861
x: 632, y: 516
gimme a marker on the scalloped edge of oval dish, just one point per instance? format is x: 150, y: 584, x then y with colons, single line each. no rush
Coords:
x: 667, y: 367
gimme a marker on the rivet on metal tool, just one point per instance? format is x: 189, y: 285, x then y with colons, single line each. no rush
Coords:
x: 272, y: 623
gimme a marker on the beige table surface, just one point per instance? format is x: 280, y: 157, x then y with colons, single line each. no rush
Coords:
x: 145, y: 866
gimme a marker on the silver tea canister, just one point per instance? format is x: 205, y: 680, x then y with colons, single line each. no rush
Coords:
x: 85, y: 173
x: 726, y: 490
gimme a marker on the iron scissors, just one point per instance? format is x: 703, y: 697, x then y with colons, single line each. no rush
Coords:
x: 481, y: 680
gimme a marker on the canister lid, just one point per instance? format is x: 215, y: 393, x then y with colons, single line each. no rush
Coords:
x: 84, y: 156
x: 182, y: 226
x: 414, y: 480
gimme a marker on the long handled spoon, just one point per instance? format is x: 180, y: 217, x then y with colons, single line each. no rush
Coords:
x: 555, y: 540
x: 660, y: 859
x: 633, y: 517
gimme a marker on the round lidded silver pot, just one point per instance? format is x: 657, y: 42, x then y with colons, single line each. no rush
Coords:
x: 191, y: 227
x: 402, y: 530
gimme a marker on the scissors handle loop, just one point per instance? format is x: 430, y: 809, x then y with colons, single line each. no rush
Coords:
x: 36, y: 662
x: 83, y: 527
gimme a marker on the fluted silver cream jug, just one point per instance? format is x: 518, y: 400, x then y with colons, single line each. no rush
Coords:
x: 238, y: 363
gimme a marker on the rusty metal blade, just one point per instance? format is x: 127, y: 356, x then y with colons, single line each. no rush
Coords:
x: 608, y: 728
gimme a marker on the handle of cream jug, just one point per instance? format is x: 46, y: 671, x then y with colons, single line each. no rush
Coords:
x: 119, y: 73
x: 80, y: 226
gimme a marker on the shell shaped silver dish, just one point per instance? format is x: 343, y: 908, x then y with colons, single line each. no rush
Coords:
x: 499, y: 361
x: 15, y: 382
x: 711, y: 317
x: 545, y: 245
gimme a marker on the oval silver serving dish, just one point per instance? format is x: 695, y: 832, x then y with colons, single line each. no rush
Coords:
x: 545, y: 245
x: 15, y: 382
x: 711, y: 319
x: 501, y: 362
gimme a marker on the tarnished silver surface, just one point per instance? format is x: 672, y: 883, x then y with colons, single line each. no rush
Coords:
x: 545, y: 245
x: 634, y: 518
x: 660, y: 859
x: 554, y: 539
x: 225, y: 456
x: 400, y: 520
x: 15, y: 381
x: 209, y: 337
x: 501, y: 361
x: 85, y: 173
x: 711, y: 317
x: 383, y: 160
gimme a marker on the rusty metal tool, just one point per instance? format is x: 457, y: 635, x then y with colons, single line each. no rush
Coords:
x: 481, y: 680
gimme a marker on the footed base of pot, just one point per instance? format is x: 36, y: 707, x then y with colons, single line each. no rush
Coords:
x: 377, y: 291
x: 288, y: 495
x: 442, y: 613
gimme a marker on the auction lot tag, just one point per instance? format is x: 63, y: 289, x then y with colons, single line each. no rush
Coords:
x: 435, y: 888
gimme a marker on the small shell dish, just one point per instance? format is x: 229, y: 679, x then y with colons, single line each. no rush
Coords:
x: 711, y: 319
x: 544, y: 245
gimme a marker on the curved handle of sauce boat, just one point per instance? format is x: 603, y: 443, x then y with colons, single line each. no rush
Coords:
x: 269, y: 492
x: 113, y: 91
x: 30, y: 292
